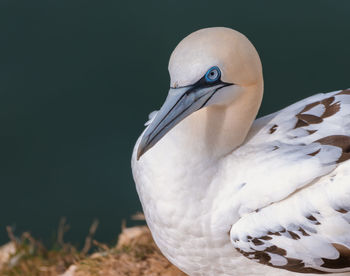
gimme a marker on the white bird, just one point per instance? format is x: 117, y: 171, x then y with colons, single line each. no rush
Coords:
x: 226, y: 195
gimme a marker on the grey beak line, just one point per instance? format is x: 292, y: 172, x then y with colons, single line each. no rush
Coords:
x: 179, y: 104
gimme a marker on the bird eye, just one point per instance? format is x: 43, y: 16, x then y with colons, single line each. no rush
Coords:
x: 213, y: 74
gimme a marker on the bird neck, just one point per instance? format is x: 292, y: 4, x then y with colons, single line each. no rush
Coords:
x: 221, y: 129
x: 191, y: 149
x: 180, y: 168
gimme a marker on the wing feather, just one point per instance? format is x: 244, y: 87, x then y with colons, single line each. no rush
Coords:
x: 295, y: 207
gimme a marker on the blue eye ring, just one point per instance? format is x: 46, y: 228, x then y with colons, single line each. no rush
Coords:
x: 213, y: 74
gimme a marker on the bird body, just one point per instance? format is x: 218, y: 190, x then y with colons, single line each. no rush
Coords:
x: 226, y: 195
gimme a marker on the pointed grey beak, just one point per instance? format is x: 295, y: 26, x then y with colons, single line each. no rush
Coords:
x: 180, y: 103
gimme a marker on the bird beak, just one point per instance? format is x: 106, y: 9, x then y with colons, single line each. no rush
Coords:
x: 180, y: 103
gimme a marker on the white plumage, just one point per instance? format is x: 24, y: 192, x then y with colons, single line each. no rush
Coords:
x: 273, y: 200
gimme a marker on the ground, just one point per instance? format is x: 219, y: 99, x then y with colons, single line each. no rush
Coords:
x: 134, y: 254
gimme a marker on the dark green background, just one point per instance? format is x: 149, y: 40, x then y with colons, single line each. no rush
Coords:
x: 78, y: 79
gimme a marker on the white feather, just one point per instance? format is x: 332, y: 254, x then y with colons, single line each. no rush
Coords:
x: 269, y: 184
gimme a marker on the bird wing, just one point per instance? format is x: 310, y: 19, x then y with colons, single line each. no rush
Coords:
x: 294, y: 204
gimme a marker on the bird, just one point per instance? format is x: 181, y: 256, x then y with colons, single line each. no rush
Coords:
x: 224, y: 193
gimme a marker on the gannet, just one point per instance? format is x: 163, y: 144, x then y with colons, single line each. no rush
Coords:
x: 225, y: 194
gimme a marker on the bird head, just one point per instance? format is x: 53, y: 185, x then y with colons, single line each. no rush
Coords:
x: 210, y: 67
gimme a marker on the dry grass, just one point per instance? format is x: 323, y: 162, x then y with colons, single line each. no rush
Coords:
x: 134, y: 254
x: 30, y: 257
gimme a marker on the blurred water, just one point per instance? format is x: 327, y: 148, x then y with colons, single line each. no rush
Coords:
x: 78, y: 79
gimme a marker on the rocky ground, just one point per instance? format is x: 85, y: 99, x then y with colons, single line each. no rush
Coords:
x: 134, y: 254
